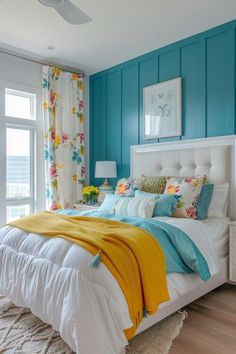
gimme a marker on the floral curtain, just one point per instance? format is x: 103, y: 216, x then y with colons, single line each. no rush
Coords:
x: 64, y: 137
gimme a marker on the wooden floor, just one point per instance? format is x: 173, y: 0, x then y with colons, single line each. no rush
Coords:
x: 211, y: 324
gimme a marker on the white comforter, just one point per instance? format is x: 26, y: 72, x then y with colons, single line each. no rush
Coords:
x: 51, y: 276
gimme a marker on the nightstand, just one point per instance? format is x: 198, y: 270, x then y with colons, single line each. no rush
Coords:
x: 84, y: 207
x: 232, y: 252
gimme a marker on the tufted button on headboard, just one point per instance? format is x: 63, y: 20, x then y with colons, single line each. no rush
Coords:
x: 214, y: 157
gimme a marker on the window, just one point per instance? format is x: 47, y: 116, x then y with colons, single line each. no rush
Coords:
x: 19, y: 104
x: 19, y: 171
x: 21, y: 191
x: 18, y: 163
x: 16, y: 212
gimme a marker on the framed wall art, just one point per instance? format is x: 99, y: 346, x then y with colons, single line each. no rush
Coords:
x: 162, y: 109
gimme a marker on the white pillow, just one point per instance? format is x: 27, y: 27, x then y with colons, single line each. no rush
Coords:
x: 141, y: 207
x: 219, y: 201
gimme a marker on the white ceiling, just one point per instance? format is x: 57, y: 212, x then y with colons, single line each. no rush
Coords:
x: 120, y: 30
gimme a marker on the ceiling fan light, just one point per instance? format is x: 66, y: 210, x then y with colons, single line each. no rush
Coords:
x: 52, y: 3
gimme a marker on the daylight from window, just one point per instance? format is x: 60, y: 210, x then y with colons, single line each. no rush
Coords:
x: 19, y: 191
x: 18, y: 163
x: 19, y: 105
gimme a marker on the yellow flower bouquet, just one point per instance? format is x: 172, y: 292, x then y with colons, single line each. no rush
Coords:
x: 90, y: 194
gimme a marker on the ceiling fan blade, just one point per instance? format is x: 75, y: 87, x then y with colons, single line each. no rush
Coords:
x: 72, y: 13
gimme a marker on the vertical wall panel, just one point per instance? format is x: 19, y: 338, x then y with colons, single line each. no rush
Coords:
x: 113, y: 115
x: 220, y: 84
x: 193, y: 91
x: 148, y: 75
x: 130, y: 119
x: 169, y: 68
x: 207, y: 64
x: 168, y: 65
x: 98, y: 124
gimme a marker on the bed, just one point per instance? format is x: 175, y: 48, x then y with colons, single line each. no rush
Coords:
x: 52, y: 276
x: 214, y: 157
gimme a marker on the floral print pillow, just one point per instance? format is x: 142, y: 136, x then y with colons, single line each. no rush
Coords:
x: 126, y: 186
x: 187, y: 190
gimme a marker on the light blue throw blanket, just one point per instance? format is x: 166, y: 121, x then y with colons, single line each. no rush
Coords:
x: 181, y: 253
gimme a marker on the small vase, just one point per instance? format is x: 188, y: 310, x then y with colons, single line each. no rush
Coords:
x: 91, y: 200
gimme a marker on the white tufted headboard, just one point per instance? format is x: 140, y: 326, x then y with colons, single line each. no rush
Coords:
x: 214, y: 157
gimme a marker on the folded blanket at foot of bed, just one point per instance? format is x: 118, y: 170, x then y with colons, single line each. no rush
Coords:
x: 132, y: 255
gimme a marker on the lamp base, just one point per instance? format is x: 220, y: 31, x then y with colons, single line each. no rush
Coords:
x: 105, y: 186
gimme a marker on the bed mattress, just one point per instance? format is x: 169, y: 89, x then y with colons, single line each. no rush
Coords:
x: 215, y: 231
x: 52, y: 277
x: 219, y: 234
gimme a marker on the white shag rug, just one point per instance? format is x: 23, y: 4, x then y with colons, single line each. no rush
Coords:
x: 23, y: 333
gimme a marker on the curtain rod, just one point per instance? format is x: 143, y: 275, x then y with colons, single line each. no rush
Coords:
x: 38, y: 61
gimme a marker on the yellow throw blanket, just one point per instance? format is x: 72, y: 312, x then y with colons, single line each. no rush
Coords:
x: 131, y: 254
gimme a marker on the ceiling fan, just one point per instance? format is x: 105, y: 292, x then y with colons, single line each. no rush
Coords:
x: 70, y: 12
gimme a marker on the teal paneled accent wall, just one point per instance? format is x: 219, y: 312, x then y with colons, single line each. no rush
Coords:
x: 207, y: 64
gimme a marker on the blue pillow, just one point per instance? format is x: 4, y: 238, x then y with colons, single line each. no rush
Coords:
x: 165, y: 203
x: 109, y: 203
x: 204, y: 201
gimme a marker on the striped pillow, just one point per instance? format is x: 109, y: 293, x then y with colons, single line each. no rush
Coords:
x: 141, y: 207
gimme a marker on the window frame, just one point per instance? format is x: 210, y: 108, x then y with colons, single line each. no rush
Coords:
x: 20, y: 93
x: 36, y: 200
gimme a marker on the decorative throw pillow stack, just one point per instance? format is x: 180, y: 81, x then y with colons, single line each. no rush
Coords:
x: 142, y: 197
x: 151, y: 196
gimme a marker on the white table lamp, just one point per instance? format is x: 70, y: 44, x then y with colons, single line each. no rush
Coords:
x: 105, y: 169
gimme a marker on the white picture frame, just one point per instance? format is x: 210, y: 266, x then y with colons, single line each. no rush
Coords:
x: 162, y: 109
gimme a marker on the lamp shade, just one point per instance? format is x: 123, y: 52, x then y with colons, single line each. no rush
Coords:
x: 105, y: 169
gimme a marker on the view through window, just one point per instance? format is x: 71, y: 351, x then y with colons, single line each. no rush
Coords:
x: 20, y: 117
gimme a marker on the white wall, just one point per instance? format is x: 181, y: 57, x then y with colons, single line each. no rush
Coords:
x: 20, y: 71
